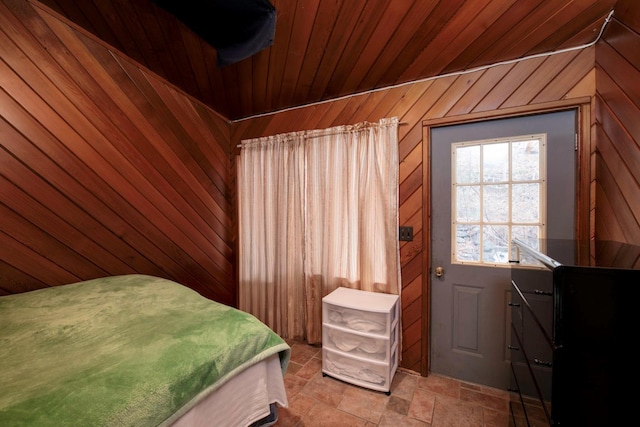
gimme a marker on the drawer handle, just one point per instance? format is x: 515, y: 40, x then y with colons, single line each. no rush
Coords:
x: 538, y: 292
x: 513, y: 304
x: 542, y: 363
x: 513, y: 348
x: 515, y: 390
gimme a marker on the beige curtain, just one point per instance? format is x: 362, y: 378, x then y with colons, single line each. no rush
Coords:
x: 317, y: 210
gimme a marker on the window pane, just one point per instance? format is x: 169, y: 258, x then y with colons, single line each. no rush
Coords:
x: 529, y: 235
x: 526, y: 160
x: 496, y: 196
x: 467, y: 242
x: 495, y: 245
x: 526, y: 203
x: 468, y: 203
x: 495, y: 162
x: 495, y: 203
x: 468, y: 164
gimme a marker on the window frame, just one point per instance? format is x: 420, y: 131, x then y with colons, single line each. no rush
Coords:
x: 541, y: 181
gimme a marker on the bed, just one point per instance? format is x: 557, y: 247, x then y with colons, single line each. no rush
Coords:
x: 135, y: 350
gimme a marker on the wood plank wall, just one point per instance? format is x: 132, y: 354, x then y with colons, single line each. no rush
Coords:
x: 102, y: 169
x: 617, y: 128
x: 105, y: 169
x: 531, y: 84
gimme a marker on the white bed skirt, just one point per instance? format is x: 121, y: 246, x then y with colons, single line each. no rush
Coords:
x: 242, y: 400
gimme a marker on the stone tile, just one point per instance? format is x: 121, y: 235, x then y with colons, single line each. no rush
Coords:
x: 298, y: 408
x: 293, y: 384
x: 403, y: 385
x: 398, y: 405
x: 391, y: 419
x: 422, y: 405
x: 310, y: 369
x: 493, y: 418
x: 322, y: 415
x: 325, y: 389
x: 441, y: 385
x: 499, y: 403
x: 536, y: 412
x: 363, y: 403
x: 470, y: 386
x: 293, y: 367
x: 449, y: 412
x: 485, y: 389
x: 287, y: 419
x: 302, y: 353
x: 433, y: 401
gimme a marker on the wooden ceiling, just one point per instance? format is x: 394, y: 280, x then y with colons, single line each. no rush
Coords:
x: 325, y: 49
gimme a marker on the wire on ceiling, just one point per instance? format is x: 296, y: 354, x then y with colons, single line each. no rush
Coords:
x: 456, y: 73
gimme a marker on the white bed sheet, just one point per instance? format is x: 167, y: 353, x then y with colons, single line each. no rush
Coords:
x: 242, y: 400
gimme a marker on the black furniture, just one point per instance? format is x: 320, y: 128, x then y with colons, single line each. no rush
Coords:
x: 573, y: 335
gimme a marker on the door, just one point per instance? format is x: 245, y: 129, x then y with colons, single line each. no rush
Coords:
x: 491, y: 181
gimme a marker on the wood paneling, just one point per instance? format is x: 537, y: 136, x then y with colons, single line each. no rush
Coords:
x: 526, y: 86
x: 324, y: 49
x: 105, y: 169
x: 617, y: 153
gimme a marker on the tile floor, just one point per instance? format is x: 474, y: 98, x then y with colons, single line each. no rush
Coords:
x: 433, y: 401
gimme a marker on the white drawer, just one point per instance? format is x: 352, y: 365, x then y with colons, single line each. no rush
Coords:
x: 356, y: 320
x: 367, y: 347
x: 357, y: 371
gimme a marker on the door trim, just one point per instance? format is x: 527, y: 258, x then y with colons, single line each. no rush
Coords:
x: 584, y: 231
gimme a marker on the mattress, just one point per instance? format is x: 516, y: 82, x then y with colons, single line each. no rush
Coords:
x: 131, y: 350
x: 243, y: 401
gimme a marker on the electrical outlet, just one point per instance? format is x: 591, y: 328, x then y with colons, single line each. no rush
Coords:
x: 405, y: 234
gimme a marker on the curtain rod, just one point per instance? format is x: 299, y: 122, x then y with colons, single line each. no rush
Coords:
x: 241, y: 145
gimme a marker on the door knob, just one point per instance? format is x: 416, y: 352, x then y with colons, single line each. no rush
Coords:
x: 439, y: 271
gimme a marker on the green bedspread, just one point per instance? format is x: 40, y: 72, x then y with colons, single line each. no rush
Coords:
x: 129, y: 350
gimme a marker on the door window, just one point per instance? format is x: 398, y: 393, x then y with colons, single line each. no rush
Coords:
x: 498, y: 193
